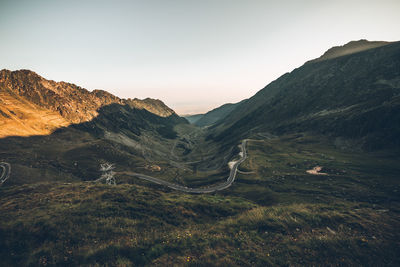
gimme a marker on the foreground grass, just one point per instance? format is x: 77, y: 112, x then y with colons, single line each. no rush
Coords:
x: 278, y: 215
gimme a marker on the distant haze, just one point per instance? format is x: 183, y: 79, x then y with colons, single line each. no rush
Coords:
x: 193, y: 55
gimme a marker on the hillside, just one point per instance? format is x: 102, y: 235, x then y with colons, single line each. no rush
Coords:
x: 355, y: 97
x: 193, y: 118
x: 216, y: 114
x: 275, y: 214
x: 32, y: 105
x: 47, y: 128
x: 349, y: 48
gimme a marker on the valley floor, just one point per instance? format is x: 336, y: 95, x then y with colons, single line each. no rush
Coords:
x: 275, y: 214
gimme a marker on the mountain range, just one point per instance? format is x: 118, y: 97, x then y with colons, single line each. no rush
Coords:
x: 33, y: 105
x: 350, y: 92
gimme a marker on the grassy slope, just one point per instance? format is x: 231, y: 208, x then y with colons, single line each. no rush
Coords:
x: 278, y: 215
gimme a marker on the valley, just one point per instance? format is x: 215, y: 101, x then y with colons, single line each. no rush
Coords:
x: 209, y: 189
x: 303, y: 173
x: 276, y: 214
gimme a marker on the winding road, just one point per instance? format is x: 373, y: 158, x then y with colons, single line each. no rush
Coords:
x: 6, y: 170
x: 202, y: 190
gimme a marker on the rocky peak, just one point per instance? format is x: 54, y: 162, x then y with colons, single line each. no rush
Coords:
x: 155, y: 106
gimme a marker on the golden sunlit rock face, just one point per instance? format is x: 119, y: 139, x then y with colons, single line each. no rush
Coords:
x: 32, y: 105
x: 19, y: 117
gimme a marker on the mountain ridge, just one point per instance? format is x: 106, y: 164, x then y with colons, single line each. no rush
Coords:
x: 192, y: 118
x: 349, y: 48
x: 58, y: 103
x: 217, y: 114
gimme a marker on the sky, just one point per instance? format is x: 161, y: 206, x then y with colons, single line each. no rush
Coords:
x: 194, y: 55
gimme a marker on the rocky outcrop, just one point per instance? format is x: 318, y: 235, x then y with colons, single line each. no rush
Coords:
x: 154, y: 106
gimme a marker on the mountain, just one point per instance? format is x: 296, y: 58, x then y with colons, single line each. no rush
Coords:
x: 33, y: 105
x: 349, y: 48
x: 193, y: 118
x: 216, y: 114
x: 351, y: 92
x: 53, y: 131
x: 212, y: 116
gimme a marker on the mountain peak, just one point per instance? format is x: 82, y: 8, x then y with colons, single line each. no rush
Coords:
x: 155, y: 106
x: 350, y: 48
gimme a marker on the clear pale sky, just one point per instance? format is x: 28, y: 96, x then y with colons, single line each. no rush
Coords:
x: 192, y: 54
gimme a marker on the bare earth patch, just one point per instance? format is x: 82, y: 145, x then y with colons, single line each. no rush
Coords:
x: 316, y: 171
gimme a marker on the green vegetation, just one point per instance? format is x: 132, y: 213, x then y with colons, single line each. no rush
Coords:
x: 274, y: 214
x: 167, y: 132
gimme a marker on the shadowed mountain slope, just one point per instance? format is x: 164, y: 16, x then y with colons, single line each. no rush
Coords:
x: 119, y: 134
x: 356, y: 96
x: 193, y: 118
x: 216, y: 114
